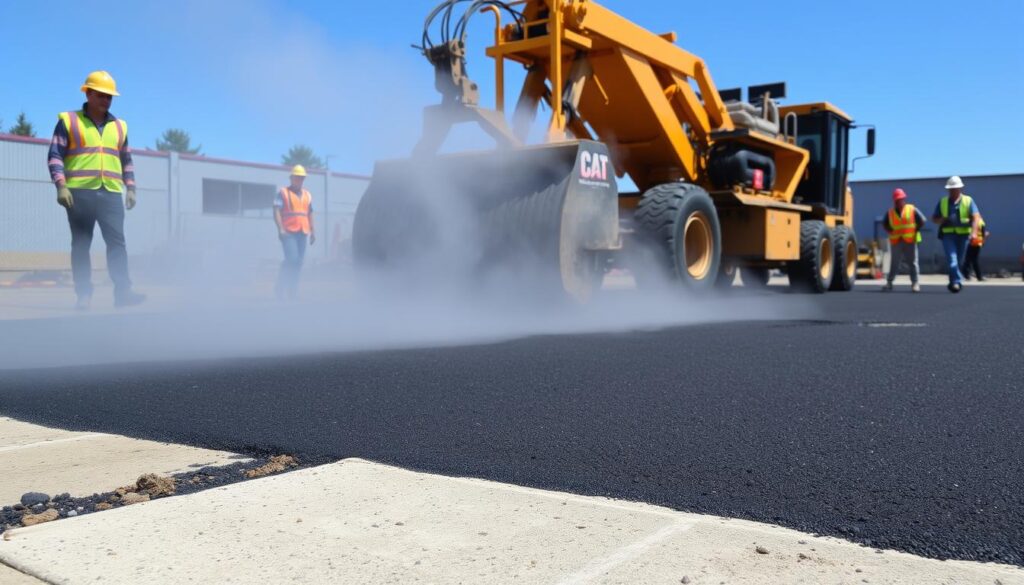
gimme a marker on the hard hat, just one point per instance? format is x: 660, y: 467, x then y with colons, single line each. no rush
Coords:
x: 298, y: 171
x: 954, y: 183
x: 898, y: 195
x: 102, y: 82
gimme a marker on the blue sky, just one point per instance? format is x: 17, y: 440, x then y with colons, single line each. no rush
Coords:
x: 942, y: 80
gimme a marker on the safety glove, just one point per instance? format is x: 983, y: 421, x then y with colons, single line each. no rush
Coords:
x: 129, y: 200
x: 64, y: 198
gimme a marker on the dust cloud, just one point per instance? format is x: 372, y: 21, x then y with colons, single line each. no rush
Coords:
x: 450, y: 292
x: 440, y: 284
x: 222, y: 328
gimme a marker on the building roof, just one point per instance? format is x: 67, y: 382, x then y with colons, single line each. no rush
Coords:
x: 942, y: 178
x: 192, y: 157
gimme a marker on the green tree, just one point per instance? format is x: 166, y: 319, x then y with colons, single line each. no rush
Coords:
x: 300, y: 154
x: 22, y: 127
x: 177, y: 140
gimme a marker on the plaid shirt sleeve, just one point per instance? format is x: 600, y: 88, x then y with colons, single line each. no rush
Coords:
x: 58, y: 148
x: 127, y: 166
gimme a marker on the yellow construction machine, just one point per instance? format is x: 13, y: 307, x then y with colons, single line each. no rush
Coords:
x: 725, y: 185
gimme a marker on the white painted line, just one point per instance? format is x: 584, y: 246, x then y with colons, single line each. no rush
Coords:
x: 624, y: 554
x: 51, y: 442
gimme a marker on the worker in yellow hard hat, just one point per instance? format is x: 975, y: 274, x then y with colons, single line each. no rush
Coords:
x: 91, y: 166
x: 293, y: 214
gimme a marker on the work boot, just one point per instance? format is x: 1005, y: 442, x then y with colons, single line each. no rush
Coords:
x: 129, y: 299
x: 887, y: 287
x: 955, y: 288
x: 83, y: 303
x: 915, y: 288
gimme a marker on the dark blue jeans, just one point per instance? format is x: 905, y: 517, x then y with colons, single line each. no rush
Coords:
x: 955, y: 248
x: 294, y: 246
x: 107, y: 209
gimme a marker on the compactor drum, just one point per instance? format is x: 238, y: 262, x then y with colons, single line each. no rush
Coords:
x: 537, y: 217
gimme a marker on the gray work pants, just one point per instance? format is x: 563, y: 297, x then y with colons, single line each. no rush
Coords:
x: 903, y: 252
x: 107, y: 209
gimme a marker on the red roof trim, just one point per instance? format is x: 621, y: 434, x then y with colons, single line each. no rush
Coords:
x: 193, y: 157
x: 28, y: 139
x: 242, y: 163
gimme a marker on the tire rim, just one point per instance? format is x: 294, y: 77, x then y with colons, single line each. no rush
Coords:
x: 825, y: 253
x: 697, y: 244
x: 851, y: 259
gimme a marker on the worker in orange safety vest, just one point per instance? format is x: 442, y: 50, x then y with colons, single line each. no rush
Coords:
x: 972, y: 259
x: 904, y: 224
x: 293, y: 214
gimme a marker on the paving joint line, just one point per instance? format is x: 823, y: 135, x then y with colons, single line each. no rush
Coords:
x: 624, y: 554
x: 10, y: 448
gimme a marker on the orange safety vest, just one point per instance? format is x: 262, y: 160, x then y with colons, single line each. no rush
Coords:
x: 904, y: 225
x: 295, y: 212
x: 979, y: 241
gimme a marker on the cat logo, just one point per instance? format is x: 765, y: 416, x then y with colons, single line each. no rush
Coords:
x: 594, y: 169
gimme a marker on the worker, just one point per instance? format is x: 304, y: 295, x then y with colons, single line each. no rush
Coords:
x: 91, y: 166
x: 293, y: 214
x: 974, y: 252
x: 958, y: 218
x: 904, y: 225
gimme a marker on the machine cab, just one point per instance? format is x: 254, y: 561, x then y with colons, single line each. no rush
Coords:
x: 823, y: 130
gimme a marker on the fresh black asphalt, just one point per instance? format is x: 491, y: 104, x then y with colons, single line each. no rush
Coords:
x: 894, y: 420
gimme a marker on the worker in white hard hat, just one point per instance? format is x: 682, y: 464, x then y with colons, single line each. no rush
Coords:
x: 959, y: 221
x: 293, y: 214
x: 91, y: 166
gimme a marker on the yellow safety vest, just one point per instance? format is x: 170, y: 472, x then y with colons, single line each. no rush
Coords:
x: 93, y: 161
x: 904, y: 225
x: 965, y: 215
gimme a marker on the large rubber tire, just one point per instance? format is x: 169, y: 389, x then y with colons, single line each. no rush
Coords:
x: 844, y: 242
x: 813, y: 271
x: 755, y: 277
x: 678, y: 224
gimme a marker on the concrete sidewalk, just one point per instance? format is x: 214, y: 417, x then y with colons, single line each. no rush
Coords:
x: 53, y: 461
x: 360, y: 522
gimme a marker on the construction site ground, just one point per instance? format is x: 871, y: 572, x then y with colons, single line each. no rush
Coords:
x: 882, y: 448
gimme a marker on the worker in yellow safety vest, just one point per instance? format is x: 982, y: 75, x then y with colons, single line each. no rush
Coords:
x: 904, y: 224
x: 972, y: 260
x: 91, y: 166
x: 958, y: 218
x: 293, y: 214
